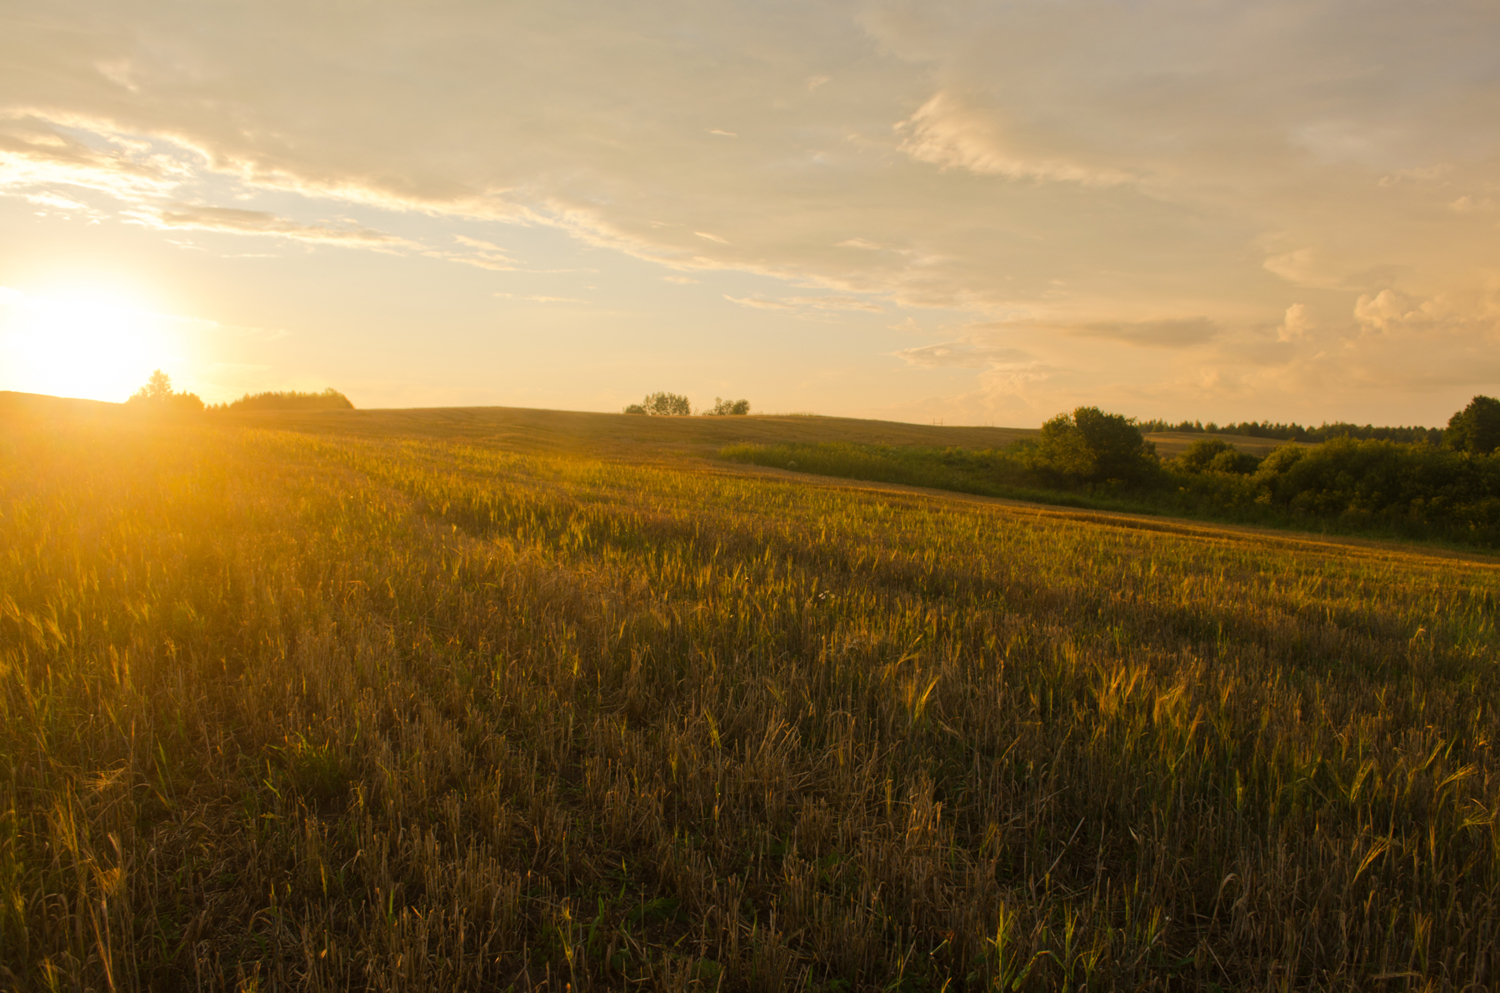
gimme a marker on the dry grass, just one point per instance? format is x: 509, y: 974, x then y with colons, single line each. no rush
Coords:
x: 309, y: 711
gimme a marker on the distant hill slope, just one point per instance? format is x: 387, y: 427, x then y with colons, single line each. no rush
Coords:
x: 528, y: 428
x: 13, y: 404
x: 1170, y: 443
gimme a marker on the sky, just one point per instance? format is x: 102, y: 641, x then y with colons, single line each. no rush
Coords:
x: 966, y: 212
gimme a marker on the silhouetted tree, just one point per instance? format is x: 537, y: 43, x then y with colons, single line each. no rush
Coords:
x: 1476, y: 428
x: 157, y: 397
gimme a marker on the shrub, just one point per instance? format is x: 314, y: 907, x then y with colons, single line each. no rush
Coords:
x: 635, y: 408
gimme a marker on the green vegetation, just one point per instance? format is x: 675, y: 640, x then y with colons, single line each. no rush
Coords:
x: 1089, y: 458
x: 329, y: 399
x: 311, y: 711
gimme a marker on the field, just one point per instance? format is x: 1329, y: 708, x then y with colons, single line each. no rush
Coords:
x: 519, y: 700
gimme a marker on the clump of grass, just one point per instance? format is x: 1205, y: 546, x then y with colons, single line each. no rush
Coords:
x: 293, y: 712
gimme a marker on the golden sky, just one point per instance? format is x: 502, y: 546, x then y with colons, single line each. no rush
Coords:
x: 980, y: 212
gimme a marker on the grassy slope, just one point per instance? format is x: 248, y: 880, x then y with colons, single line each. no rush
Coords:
x: 338, y: 712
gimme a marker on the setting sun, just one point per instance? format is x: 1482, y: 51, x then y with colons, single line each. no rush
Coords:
x: 81, y: 344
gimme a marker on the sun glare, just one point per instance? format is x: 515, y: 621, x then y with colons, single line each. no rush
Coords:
x: 81, y: 344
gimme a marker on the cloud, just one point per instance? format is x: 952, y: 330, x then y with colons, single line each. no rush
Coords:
x: 801, y: 303
x: 258, y: 222
x: 1295, y: 325
x: 37, y: 156
x: 1307, y: 267
x: 1061, y: 163
x: 947, y: 132
x: 1167, y: 333
x: 964, y: 353
x: 536, y: 298
x: 759, y: 304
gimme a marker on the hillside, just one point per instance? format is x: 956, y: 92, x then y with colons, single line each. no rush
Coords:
x: 564, y: 430
x: 1170, y: 443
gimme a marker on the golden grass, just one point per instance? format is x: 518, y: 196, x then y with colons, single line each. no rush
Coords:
x: 310, y: 710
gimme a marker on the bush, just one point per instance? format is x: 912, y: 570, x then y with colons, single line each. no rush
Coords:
x: 635, y: 408
x: 1092, y: 447
x: 729, y: 408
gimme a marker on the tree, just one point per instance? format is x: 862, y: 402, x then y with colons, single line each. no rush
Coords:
x: 329, y: 399
x: 156, y: 397
x: 729, y: 408
x: 666, y: 405
x: 1090, y: 446
x: 158, y: 387
x: 1216, y: 455
x: 1476, y: 428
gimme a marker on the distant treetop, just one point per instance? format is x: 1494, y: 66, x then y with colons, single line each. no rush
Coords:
x: 329, y: 399
x: 662, y: 405
x: 156, y: 397
x: 1476, y: 428
x: 728, y: 408
x: 1296, y: 432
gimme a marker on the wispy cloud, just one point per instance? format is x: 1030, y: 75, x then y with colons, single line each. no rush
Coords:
x: 258, y: 222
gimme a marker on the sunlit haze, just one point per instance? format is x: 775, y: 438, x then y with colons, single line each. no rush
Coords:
x: 979, y: 212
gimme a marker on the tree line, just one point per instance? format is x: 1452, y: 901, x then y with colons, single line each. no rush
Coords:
x: 662, y: 404
x: 1277, y: 431
x: 158, y: 398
